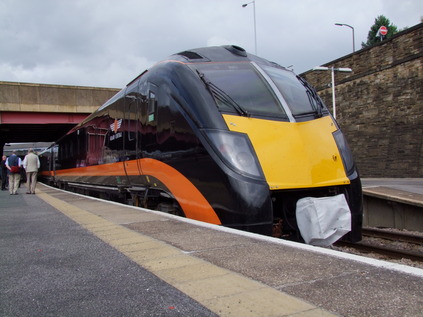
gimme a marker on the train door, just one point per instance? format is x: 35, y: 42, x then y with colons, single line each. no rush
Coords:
x: 129, y: 157
x: 139, y: 126
x: 133, y: 135
x: 53, y: 162
x: 130, y: 135
x: 146, y: 125
x: 96, y: 135
x: 150, y: 128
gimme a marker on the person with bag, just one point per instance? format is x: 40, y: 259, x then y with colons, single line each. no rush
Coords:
x: 13, y: 164
x: 31, y: 164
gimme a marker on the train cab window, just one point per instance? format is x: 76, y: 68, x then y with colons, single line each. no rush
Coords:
x: 152, y: 105
x: 245, y: 86
x: 298, y: 95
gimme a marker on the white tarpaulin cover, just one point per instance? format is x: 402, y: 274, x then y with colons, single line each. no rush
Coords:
x: 322, y: 221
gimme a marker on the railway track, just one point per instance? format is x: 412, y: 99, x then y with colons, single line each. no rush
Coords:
x: 393, y: 235
x: 387, y: 243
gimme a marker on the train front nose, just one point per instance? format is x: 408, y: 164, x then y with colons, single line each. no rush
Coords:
x: 301, y: 160
x: 294, y: 155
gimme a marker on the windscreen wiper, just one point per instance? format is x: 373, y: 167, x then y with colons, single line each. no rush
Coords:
x: 222, y: 96
x: 313, y: 97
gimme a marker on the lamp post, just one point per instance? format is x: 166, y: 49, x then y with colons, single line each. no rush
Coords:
x: 255, y: 28
x: 333, y: 70
x: 353, y: 39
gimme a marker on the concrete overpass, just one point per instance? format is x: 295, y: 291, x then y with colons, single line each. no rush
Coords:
x: 43, y: 113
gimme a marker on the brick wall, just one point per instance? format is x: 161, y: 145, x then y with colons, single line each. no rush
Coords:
x: 379, y: 106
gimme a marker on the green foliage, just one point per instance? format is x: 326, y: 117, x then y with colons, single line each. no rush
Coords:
x: 373, y: 37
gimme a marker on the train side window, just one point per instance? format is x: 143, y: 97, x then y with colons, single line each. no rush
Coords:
x: 152, y: 105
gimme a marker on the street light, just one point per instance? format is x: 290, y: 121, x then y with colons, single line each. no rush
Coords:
x: 343, y: 24
x: 255, y: 28
x: 333, y: 70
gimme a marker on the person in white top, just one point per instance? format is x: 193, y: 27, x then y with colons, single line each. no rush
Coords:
x: 31, y: 164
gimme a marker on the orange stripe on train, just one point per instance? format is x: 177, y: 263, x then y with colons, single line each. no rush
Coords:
x: 193, y: 203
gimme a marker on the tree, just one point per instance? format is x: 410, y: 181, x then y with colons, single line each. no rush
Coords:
x: 373, y: 37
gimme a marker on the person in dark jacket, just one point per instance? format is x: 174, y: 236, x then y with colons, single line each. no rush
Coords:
x: 13, y: 164
x: 4, y: 174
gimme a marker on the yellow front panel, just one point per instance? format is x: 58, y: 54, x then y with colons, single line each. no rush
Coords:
x: 294, y: 154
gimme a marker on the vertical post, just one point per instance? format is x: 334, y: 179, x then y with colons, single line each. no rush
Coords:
x: 333, y: 92
x: 353, y: 39
x: 352, y: 29
x: 255, y: 28
x: 333, y: 69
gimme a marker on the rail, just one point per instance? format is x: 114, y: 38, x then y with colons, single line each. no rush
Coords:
x: 391, y: 244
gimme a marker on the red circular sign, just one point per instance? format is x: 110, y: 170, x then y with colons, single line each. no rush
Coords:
x: 383, y: 30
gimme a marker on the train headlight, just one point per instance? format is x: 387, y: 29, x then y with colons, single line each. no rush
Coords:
x: 346, y: 154
x: 236, y: 151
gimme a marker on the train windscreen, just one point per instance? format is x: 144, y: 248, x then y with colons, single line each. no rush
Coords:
x: 299, y: 96
x: 238, y: 87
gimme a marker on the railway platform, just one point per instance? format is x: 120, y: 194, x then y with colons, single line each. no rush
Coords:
x: 393, y: 203
x: 410, y: 186
x: 64, y: 254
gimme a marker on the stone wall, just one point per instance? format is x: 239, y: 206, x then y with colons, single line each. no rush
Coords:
x: 379, y: 106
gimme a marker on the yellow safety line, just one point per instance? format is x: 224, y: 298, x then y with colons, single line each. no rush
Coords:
x: 222, y: 291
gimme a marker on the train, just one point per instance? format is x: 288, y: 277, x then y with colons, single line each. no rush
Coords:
x: 222, y: 136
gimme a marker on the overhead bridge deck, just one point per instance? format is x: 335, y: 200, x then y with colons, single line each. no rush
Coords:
x: 67, y: 254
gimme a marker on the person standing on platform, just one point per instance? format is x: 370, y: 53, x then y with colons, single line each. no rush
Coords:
x: 4, y: 175
x: 13, y: 164
x: 31, y: 164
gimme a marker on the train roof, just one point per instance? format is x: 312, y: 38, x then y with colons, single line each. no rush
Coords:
x: 225, y: 53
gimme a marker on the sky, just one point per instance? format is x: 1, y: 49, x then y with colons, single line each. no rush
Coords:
x: 107, y: 43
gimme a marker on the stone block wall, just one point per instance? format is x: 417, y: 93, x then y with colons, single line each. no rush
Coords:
x: 379, y: 105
